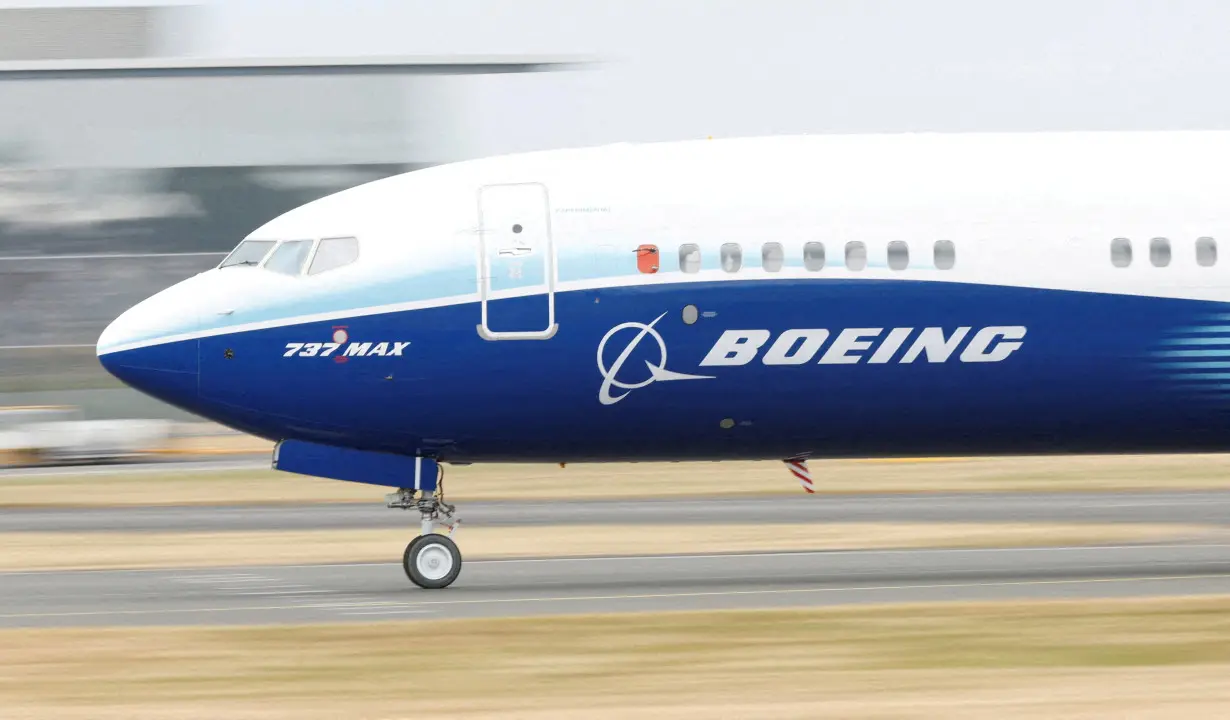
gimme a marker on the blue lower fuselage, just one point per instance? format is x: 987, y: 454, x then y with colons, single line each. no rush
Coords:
x: 1096, y: 373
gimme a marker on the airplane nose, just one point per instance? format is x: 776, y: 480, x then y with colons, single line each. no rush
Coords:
x: 150, y: 348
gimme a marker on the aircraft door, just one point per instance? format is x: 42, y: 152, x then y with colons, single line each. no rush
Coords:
x: 516, y: 263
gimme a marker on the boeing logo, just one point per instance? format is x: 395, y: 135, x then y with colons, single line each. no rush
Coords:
x: 657, y: 373
x: 851, y: 346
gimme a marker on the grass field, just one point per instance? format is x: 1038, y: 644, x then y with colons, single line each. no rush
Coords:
x: 1116, y: 658
x: 107, y: 550
x: 493, y: 482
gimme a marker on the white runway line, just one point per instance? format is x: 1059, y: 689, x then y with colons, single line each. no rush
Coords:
x: 109, y: 256
x: 136, y: 468
x: 639, y: 596
x: 282, y: 592
x: 711, y: 556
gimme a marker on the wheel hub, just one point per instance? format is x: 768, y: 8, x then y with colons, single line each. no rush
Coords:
x: 434, y: 561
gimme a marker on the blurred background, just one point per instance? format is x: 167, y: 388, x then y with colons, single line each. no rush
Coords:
x: 140, y: 141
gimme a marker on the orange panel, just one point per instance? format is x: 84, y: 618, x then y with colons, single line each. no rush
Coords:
x: 647, y: 258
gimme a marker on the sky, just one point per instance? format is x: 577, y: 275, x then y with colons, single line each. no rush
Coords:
x: 690, y: 68
x: 676, y: 69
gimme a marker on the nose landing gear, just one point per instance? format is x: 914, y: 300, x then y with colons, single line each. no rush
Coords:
x: 431, y: 560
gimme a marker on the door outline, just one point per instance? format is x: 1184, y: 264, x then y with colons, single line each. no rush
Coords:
x: 484, y: 270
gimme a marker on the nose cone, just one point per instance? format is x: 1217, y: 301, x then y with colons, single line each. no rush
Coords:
x: 151, y: 347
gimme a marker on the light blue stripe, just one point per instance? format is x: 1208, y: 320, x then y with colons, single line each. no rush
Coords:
x: 1198, y: 341
x: 1196, y: 365
x: 1224, y: 352
x: 1210, y: 329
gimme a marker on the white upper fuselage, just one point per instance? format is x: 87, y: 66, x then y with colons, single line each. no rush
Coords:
x: 1033, y: 210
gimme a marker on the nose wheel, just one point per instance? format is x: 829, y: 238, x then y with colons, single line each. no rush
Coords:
x: 432, y: 561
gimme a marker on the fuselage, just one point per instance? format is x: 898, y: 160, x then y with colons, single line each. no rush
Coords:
x: 839, y: 296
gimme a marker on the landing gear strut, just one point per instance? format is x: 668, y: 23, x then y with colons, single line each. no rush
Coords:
x: 431, y: 560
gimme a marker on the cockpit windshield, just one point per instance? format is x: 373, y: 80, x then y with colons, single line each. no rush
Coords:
x: 295, y: 257
x: 249, y: 252
x: 290, y: 256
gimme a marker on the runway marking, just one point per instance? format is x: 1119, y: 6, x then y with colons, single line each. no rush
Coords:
x: 391, y: 611
x: 222, y: 579
x: 281, y: 592
x: 77, y: 346
x: 641, y: 558
x: 112, y: 256
x: 642, y: 596
x: 147, y: 467
x: 902, y: 551
x: 795, y: 591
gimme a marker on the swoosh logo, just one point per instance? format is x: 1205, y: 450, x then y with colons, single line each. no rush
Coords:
x: 657, y: 373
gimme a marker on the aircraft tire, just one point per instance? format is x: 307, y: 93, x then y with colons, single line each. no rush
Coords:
x: 432, y: 561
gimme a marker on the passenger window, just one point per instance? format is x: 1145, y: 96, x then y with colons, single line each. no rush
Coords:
x: 689, y: 258
x: 334, y: 253
x: 813, y: 256
x: 288, y: 259
x: 732, y: 257
x: 1159, y: 252
x: 1206, y: 252
x: 945, y: 254
x: 249, y: 252
x: 856, y: 255
x: 1120, y: 252
x: 898, y: 255
x: 772, y: 255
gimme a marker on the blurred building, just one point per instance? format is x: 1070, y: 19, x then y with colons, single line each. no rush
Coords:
x: 124, y: 169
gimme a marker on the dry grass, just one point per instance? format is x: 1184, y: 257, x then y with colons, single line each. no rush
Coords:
x: 493, y: 482
x: 58, y: 551
x: 1117, y: 658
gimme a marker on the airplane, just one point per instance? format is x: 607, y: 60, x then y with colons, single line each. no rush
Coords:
x: 778, y: 298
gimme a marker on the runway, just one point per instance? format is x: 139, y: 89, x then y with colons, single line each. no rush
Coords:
x: 1194, y: 507
x: 355, y: 592
x: 365, y: 592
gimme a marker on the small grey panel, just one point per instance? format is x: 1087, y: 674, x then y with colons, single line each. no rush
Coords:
x: 81, y: 33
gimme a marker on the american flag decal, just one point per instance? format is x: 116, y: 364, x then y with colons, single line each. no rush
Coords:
x: 800, y: 471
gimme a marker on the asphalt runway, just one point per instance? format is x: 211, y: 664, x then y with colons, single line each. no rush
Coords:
x: 365, y: 592
x: 357, y: 592
x: 1195, y: 507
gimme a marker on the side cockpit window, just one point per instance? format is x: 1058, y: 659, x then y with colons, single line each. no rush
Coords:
x: 249, y: 253
x: 334, y: 253
x: 290, y: 257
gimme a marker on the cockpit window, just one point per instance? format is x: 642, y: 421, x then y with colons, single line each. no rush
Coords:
x: 288, y: 259
x: 249, y: 252
x: 334, y: 253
